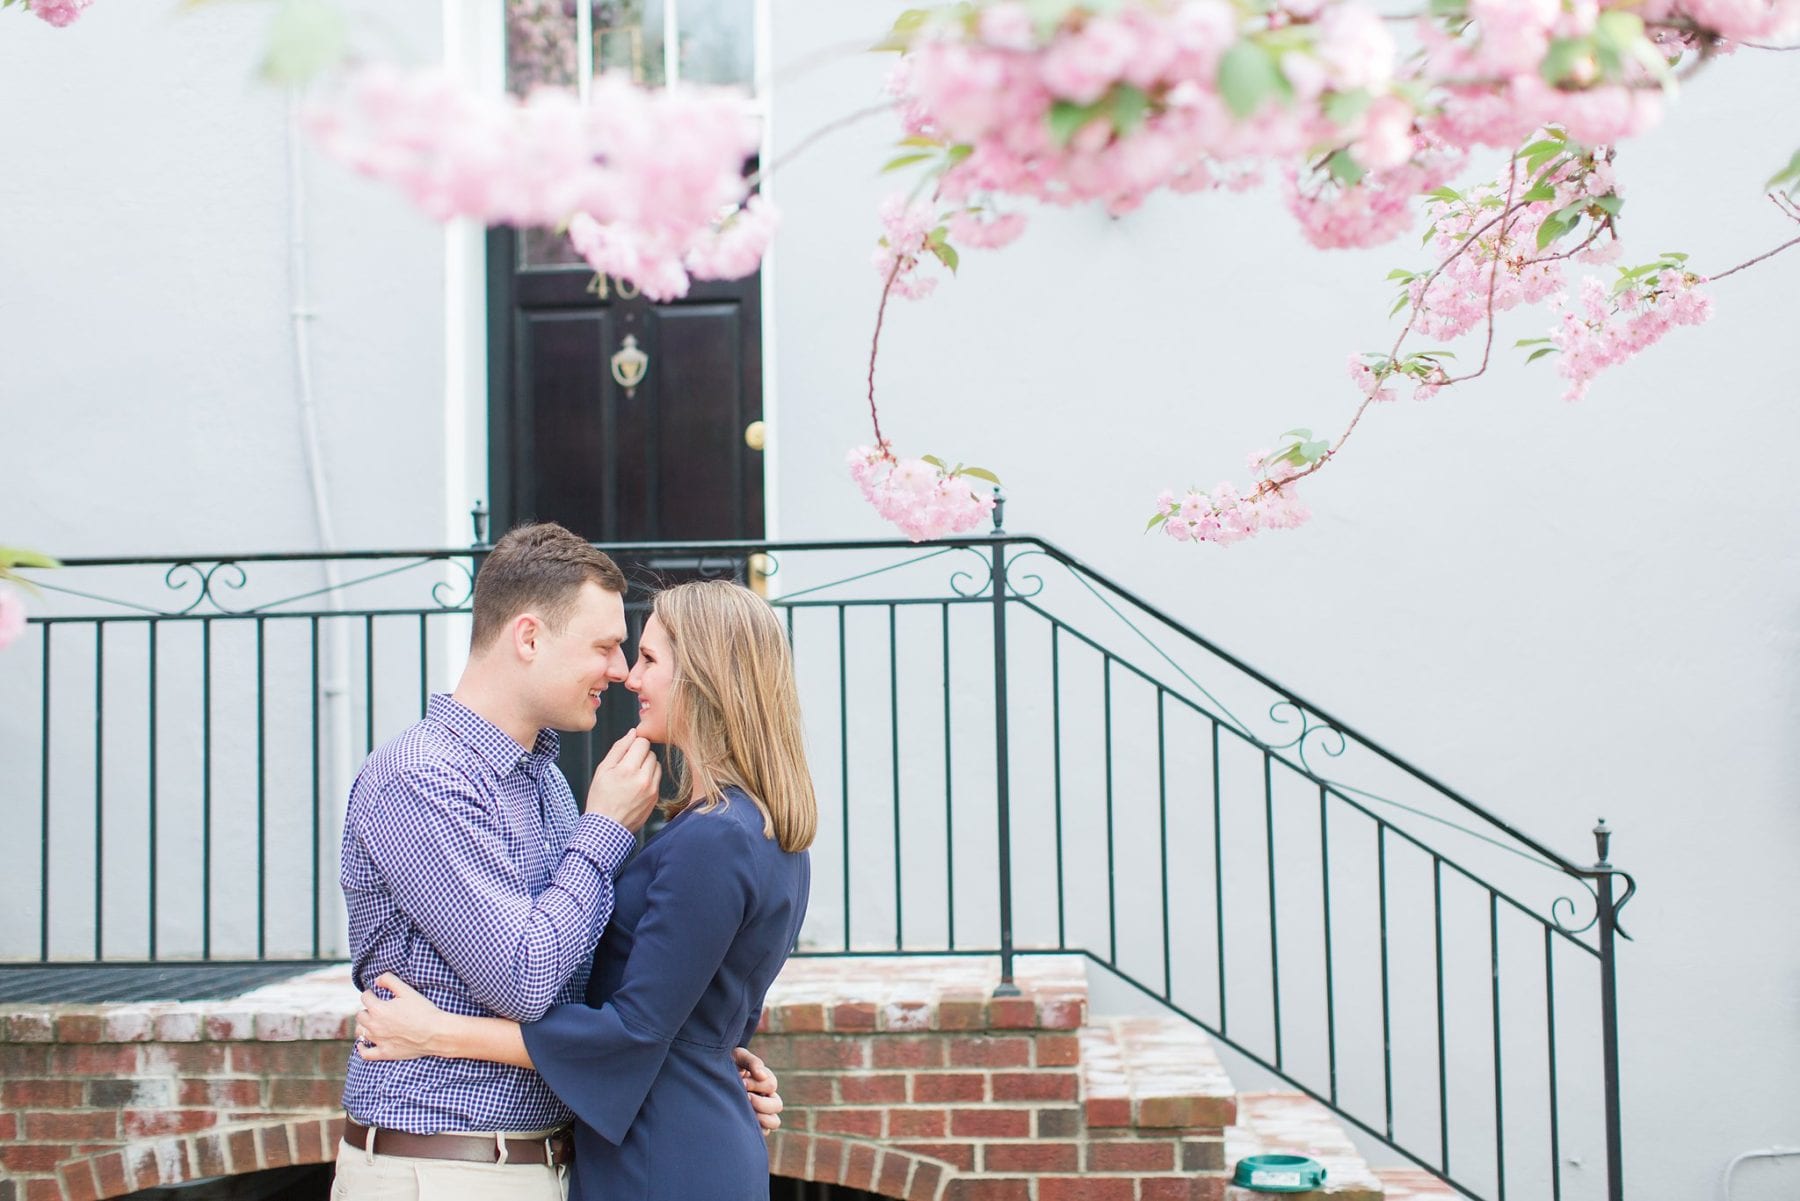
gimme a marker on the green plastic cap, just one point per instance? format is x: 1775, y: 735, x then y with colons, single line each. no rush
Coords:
x: 1279, y: 1174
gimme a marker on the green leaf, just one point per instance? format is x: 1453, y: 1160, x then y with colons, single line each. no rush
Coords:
x: 946, y: 254
x: 1156, y: 521
x: 1296, y: 433
x: 1313, y: 451
x: 1405, y: 299
x: 1444, y: 193
x: 308, y: 37
x: 1609, y: 203
x: 1555, y: 226
x: 15, y: 557
x: 1401, y: 273
x: 1344, y: 169
x: 900, y: 36
x: 1787, y: 173
x: 933, y: 460
x: 1562, y: 58
x: 982, y: 473
x: 1127, y: 106
x: 1067, y: 118
x: 1248, y: 77
x: 903, y: 160
x: 1530, y: 342
x: 1343, y: 108
x: 1539, y: 353
x: 1543, y: 145
x: 1538, y: 192
x: 1447, y: 9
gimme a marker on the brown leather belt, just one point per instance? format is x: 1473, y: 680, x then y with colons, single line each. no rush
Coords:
x: 557, y: 1149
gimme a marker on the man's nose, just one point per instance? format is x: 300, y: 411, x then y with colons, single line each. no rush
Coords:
x: 616, y: 668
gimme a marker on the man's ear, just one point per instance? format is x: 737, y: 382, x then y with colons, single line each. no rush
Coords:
x: 527, y: 631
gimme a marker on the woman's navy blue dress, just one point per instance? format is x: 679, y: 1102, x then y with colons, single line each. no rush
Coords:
x: 703, y: 919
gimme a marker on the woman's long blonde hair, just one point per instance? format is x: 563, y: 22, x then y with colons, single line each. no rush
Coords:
x: 736, y: 711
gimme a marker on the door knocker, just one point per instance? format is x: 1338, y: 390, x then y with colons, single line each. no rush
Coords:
x: 629, y: 365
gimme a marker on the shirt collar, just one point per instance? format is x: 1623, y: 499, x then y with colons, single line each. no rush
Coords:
x: 494, y: 745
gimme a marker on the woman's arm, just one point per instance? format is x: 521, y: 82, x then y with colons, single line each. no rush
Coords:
x: 410, y: 1026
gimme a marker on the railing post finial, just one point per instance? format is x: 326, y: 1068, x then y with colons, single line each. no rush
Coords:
x: 478, y: 516
x: 1602, y: 840
x: 999, y: 511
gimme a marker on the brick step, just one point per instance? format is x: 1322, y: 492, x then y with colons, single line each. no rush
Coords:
x: 1414, y: 1184
x: 1153, y: 1073
x: 1294, y: 1124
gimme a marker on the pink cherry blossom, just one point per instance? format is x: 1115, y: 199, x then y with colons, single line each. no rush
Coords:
x: 59, y: 13
x: 12, y: 617
x: 922, y: 498
x: 1598, y: 330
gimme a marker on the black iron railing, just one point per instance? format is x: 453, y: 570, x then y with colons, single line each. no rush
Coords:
x: 1015, y: 755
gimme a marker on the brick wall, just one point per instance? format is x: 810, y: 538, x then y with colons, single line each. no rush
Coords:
x: 911, y: 1085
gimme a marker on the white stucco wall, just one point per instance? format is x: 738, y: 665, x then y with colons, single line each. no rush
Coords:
x: 1566, y: 611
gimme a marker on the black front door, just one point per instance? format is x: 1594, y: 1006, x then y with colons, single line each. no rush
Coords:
x: 622, y: 419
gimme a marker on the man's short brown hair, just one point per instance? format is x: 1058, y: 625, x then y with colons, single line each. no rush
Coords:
x: 537, y: 568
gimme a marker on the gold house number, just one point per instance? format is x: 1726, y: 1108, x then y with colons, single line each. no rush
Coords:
x: 603, y: 286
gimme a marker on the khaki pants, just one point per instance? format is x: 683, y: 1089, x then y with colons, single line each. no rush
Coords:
x: 369, y: 1175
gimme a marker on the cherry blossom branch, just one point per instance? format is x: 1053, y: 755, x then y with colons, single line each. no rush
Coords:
x: 887, y: 290
x: 756, y: 178
x: 1769, y: 254
x: 1507, y: 210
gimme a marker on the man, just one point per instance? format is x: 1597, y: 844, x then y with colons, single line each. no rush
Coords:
x: 468, y: 872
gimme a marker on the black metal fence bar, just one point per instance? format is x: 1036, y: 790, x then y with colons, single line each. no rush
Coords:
x: 1397, y: 995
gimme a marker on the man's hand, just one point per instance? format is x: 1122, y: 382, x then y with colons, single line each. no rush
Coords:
x: 626, y: 783
x: 759, y: 1082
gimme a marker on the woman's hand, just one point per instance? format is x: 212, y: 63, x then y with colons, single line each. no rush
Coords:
x: 403, y: 1028
x: 760, y: 1083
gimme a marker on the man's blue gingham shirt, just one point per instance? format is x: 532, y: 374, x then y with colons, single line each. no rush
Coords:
x: 469, y: 873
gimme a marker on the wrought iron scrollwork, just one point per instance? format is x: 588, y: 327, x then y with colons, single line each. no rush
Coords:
x: 228, y: 574
x: 1034, y: 582
x: 1333, y: 745
x: 449, y: 588
x: 961, y: 581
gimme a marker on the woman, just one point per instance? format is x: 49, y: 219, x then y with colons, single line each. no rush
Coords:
x: 703, y: 920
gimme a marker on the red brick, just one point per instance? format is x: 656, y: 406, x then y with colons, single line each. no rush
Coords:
x: 139, y: 1092
x: 1036, y: 1086
x: 19, y: 1060
x: 890, y: 1177
x: 334, y: 1130
x: 1013, y: 1013
x: 829, y: 1053
x: 853, y: 1016
x: 990, y: 1123
x: 958, y: 1155
x: 925, y: 1180
x: 194, y: 1059
x: 9, y: 1126
x: 303, y: 1093
x: 987, y: 1052
x: 988, y: 1189
x: 917, y: 1123
x: 89, y: 1124
x: 968, y: 1086
x: 1087, y: 1188
x: 1057, y: 1050
x: 1030, y: 1157
x: 78, y: 1183
x: 827, y: 1160
x: 331, y: 1058
x: 925, y: 1051
x: 224, y: 1027
x: 1069, y: 1013
x: 962, y: 1015
x: 1180, y: 1188
x: 872, y: 1090
x: 788, y: 1155
x: 41, y: 1094
x: 311, y: 1144
x: 276, y: 1152
x: 209, y: 1156
x: 31, y: 1028
x: 271, y: 1059
x: 92, y: 1059
x: 801, y: 1019
x: 80, y: 1028
x: 906, y: 1015
x: 1121, y: 1155
x: 805, y: 1089
x: 25, y: 1159
x: 1187, y: 1112
x: 110, y: 1175
x: 220, y: 1094
x: 859, y: 1167
x: 240, y: 1148
x: 147, y: 1123
x: 863, y: 1123
x: 1108, y: 1113
x: 44, y: 1188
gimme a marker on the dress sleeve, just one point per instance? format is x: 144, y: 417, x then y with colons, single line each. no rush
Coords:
x: 601, y: 1062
